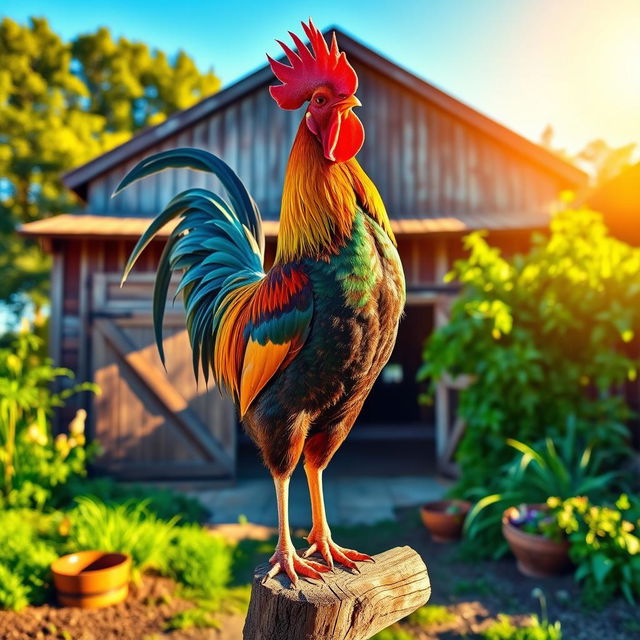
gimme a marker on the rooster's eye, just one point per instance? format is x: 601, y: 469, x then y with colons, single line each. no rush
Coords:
x: 320, y: 100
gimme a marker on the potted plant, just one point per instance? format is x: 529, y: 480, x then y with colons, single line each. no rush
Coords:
x: 536, y: 540
x: 91, y: 579
x: 445, y: 518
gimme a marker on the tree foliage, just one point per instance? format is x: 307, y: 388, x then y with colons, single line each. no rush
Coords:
x: 548, y: 338
x: 63, y: 103
x: 600, y: 160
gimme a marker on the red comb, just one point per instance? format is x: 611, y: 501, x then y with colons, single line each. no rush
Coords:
x: 311, y: 68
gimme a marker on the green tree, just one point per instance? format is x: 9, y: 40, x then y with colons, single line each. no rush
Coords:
x: 61, y: 104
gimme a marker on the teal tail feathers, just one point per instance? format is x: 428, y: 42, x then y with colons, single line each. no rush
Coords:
x: 218, y: 246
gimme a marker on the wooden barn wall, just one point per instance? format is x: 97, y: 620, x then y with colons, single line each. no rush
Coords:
x: 74, y: 263
x: 423, y: 160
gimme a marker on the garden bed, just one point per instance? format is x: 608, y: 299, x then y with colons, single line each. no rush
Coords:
x: 146, y: 614
x: 476, y: 593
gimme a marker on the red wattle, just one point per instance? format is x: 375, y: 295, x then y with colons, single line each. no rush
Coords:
x: 344, y: 136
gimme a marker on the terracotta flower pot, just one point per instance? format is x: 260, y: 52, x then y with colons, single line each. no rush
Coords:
x: 91, y: 579
x: 536, y: 556
x: 445, y: 518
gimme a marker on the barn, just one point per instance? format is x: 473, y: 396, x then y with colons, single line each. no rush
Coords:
x: 443, y: 169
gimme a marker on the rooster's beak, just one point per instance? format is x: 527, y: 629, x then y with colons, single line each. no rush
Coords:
x: 348, y: 103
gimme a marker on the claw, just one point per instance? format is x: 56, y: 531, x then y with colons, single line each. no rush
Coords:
x: 330, y: 551
x: 288, y: 561
x: 357, y: 556
x: 272, y: 572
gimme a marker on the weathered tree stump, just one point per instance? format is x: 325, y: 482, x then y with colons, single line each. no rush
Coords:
x: 348, y: 606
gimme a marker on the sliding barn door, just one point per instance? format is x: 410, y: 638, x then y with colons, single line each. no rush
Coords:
x: 152, y: 423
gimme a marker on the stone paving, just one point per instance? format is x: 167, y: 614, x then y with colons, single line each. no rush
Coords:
x: 348, y: 500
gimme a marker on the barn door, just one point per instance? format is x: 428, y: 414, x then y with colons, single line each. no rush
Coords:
x: 152, y: 423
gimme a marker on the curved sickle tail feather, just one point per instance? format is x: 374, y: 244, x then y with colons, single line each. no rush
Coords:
x: 218, y: 246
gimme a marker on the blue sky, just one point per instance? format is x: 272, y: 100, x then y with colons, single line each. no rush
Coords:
x: 572, y: 63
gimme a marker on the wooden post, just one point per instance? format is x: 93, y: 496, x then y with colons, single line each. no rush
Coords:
x: 348, y: 606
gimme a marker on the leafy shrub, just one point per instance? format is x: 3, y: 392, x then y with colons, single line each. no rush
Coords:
x: 164, y: 503
x: 200, y: 561
x: 605, y: 546
x: 564, y: 469
x: 503, y: 629
x: 14, y: 595
x: 127, y: 528
x: 31, y: 540
x: 31, y: 463
x: 27, y: 549
x: 543, y: 336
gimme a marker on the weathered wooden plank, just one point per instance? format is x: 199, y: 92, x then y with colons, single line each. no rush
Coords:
x: 421, y: 169
x: 198, y: 178
x: 460, y: 197
x: 163, y: 392
x: 347, y: 606
x: 246, y: 127
x: 409, y: 174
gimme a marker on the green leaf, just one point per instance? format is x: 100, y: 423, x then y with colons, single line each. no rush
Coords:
x: 601, y: 566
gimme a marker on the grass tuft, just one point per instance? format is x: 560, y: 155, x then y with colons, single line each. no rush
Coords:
x: 432, y: 614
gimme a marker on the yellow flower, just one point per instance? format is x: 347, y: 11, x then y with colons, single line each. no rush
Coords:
x: 62, y: 444
x: 76, y: 426
x: 35, y: 435
x: 65, y: 527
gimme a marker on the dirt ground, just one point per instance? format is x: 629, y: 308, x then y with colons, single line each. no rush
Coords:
x: 143, y: 616
x: 476, y: 592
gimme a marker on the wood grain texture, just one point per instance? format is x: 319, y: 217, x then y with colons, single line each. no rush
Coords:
x: 346, y: 607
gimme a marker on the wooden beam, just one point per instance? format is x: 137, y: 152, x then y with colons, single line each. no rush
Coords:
x: 164, y: 392
x: 346, y: 606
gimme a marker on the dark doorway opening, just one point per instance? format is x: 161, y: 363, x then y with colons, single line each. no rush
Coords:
x: 393, y: 401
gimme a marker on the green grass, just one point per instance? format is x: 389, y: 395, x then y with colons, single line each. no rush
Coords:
x: 127, y: 528
x: 196, y: 618
x: 394, y: 632
x: 475, y: 586
x: 432, y: 614
x: 504, y: 629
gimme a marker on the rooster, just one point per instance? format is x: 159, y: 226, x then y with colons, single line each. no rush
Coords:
x: 298, y: 346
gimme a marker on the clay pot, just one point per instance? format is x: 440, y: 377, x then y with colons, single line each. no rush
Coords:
x: 536, y: 556
x: 445, y: 524
x: 91, y: 579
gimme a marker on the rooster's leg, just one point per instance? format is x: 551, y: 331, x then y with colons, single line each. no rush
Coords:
x: 319, y: 537
x: 285, y: 557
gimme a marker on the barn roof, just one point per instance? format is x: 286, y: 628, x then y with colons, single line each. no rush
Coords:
x: 94, y: 226
x: 78, y: 179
